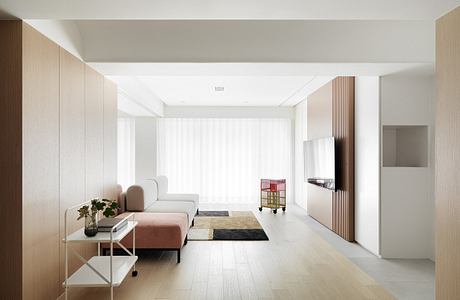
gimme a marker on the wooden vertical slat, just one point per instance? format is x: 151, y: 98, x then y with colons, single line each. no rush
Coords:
x: 41, y: 166
x: 11, y: 159
x: 110, y: 100
x: 448, y: 156
x: 343, y: 131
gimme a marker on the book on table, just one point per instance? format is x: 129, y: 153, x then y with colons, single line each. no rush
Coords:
x: 106, y: 224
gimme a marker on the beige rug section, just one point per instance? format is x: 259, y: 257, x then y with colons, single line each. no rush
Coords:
x: 203, y: 229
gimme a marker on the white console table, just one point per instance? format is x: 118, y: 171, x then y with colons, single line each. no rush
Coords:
x: 100, y: 271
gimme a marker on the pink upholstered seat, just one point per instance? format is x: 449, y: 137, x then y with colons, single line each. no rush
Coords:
x: 158, y: 230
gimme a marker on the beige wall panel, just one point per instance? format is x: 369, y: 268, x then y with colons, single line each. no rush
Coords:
x: 11, y: 159
x: 448, y: 156
x: 319, y: 113
x: 72, y: 143
x: 319, y: 124
x: 94, y: 110
x: 110, y: 139
x: 41, y: 166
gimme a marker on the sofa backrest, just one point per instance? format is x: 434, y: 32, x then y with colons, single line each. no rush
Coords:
x: 141, y: 195
x: 162, y: 184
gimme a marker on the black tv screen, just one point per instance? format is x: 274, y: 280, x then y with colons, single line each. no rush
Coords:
x: 319, y: 158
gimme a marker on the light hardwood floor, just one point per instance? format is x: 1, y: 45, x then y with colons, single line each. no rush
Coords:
x: 295, y: 264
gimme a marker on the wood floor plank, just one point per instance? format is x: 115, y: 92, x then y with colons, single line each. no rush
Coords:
x: 294, y: 264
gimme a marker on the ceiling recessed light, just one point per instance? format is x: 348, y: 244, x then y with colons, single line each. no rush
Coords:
x: 219, y: 89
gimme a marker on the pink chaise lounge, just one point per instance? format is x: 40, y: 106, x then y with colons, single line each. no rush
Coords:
x: 155, y: 230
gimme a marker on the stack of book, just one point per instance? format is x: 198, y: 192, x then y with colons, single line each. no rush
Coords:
x: 106, y: 224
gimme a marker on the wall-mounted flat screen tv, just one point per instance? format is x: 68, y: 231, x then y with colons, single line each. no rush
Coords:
x: 319, y: 158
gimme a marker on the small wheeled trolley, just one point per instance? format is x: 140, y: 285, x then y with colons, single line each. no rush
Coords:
x: 273, y: 194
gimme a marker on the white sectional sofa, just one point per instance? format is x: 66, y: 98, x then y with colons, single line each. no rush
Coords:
x: 144, y: 197
x: 163, y: 195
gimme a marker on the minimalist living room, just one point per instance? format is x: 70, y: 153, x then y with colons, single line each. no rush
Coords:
x: 179, y: 151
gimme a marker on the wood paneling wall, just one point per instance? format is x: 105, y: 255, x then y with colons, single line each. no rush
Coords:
x: 343, y: 119
x: 331, y: 113
x: 58, y: 137
x: 11, y: 159
x: 319, y: 125
x: 72, y: 188
x: 110, y: 139
x: 41, y: 166
x: 94, y: 107
x: 448, y: 156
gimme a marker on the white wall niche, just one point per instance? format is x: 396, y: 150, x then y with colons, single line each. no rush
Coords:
x: 405, y: 146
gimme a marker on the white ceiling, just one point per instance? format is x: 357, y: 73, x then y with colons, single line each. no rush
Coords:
x: 238, y: 90
x: 224, y: 9
x: 157, y: 54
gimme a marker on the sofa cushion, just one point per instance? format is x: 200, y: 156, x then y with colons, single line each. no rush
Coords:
x: 158, y: 230
x: 180, y: 197
x: 162, y: 184
x: 174, y: 207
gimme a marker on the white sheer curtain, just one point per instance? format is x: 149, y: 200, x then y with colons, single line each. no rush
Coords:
x: 126, y: 152
x: 223, y: 160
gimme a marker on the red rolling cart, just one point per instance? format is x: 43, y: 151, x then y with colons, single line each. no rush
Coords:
x: 273, y: 194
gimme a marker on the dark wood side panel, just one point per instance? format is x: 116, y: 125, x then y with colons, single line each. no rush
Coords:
x: 448, y: 156
x: 11, y: 159
x: 343, y: 98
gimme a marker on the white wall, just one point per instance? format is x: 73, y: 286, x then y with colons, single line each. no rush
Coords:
x: 407, y: 193
x: 146, y: 148
x: 394, y: 206
x: 367, y: 163
x: 65, y: 33
x: 300, y: 195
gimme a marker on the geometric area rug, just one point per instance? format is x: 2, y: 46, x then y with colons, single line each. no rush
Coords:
x: 226, y: 226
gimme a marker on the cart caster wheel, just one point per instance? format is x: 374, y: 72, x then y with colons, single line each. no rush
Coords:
x: 274, y: 211
x: 260, y: 208
x: 284, y: 208
x: 134, y: 273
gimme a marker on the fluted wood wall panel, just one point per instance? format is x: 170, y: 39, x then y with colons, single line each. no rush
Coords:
x: 11, y: 159
x: 343, y: 131
x: 448, y: 156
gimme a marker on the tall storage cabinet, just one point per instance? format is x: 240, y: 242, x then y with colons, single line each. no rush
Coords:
x: 407, y: 166
x: 58, y: 140
x: 394, y: 165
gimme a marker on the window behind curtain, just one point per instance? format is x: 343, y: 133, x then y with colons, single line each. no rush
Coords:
x: 126, y: 152
x: 223, y: 160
